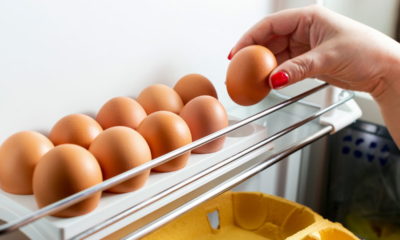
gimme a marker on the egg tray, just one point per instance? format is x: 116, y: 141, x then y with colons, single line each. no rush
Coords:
x: 252, y: 216
x: 16, y: 206
x: 245, y: 141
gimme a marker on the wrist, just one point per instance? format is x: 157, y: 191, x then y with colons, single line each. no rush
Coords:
x: 388, y: 99
x: 387, y: 90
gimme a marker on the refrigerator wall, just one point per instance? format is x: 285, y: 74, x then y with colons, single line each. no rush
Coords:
x: 60, y: 57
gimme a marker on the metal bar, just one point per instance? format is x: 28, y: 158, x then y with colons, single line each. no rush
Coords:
x: 215, y: 167
x: 227, y: 185
x: 68, y: 201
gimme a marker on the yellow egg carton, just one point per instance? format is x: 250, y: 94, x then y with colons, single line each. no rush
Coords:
x: 253, y: 216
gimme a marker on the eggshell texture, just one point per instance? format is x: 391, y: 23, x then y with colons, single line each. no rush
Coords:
x: 121, y: 111
x: 63, y: 171
x: 160, y: 97
x: 19, y: 155
x: 247, y: 75
x: 78, y: 129
x: 205, y: 115
x: 119, y: 149
x: 194, y: 85
x: 165, y: 131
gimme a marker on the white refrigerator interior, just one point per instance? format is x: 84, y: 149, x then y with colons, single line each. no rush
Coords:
x: 59, y: 57
x: 63, y: 57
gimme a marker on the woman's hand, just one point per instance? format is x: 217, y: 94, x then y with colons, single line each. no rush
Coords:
x: 316, y: 42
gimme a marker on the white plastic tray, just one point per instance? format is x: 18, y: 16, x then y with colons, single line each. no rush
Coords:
x: 13, y: 206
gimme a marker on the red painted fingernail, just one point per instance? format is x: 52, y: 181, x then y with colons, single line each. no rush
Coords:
x: 279, y: 79
x: 230, y: 55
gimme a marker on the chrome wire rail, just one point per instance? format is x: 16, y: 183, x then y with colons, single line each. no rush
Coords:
x: 212, y: 169
x: 66, y: 202
x: 243, y: 176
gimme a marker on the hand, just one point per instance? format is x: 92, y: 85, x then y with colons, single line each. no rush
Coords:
x: 316, y: 42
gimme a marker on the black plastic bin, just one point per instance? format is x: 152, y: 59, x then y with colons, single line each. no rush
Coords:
x: 364, y: 181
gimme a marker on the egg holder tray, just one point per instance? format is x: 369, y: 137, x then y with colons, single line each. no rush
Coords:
x: 20, y: 211
x: 251, y: 216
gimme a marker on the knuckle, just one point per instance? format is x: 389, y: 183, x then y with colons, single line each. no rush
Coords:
x: 315, y: 8
x: 304, y: 67
x: 315, y: 11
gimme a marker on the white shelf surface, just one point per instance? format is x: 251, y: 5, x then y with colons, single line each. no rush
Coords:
x: 274, y: 123
x: 14, y: 206
x: 19, y: 205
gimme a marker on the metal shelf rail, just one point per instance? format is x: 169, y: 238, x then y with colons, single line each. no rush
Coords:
x: 61, y: 204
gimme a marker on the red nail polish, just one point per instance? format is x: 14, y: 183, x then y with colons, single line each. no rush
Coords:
x: 279, y: 79
x: 230, y: 55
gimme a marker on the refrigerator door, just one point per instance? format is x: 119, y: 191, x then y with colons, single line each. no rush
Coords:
x: 63, y: 57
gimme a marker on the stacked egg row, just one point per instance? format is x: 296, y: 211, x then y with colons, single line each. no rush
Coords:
x: 81, y: 151
x: 127, y: 133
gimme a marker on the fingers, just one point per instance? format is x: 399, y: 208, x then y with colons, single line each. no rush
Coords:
x: 287, y: 35
x: 278, y: 44
x: 279, y: 24
x: 295, y: 69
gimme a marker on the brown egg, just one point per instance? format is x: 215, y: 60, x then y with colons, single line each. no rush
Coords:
x: 121, y: 111
x: 247, y: 76
x: 19, y: 155
x: 119, y: 149
x: 194, y: 85
x: 205, y: 115
x: 77, y: 129
x: 165, y: 131
x: 160, y: 97
x: 63, y: 171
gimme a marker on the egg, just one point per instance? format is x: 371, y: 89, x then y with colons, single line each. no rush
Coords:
x: 19, y: 155
x: 205, y: 115
x: 160, y: 97
x: 194, y: 85
x: 63, y: 171
x: 121, y: 111
x: 247, y: 75
x: 165, y: 131
x: 119, y: 149
x: 77, y: 129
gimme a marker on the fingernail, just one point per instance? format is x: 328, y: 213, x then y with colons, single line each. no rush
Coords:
x: 230, y: 55
x: 279, y: 79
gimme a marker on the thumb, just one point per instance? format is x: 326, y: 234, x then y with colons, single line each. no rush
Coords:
x: 295, y: 69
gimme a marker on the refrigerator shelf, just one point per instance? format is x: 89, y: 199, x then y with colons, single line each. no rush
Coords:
x: 253, y: 144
